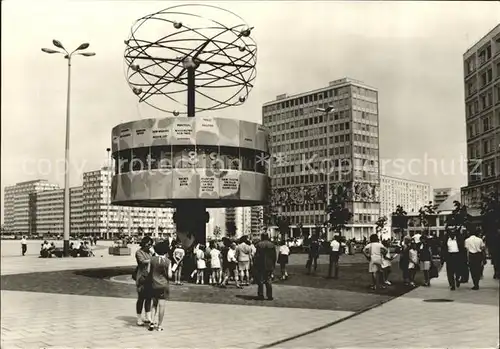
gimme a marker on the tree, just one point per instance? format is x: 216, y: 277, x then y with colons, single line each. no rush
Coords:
x: 458, y: 217
x: 425, y: 213
x: 338, y: 214
x: 231, y: 229
x: 217, y: 233
x: 400, y: 219
x: 381, y: 223
x: 490, y: 213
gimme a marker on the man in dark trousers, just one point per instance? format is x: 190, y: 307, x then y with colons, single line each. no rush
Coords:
x: 265, y: 261
x: 475, y: 250
x: 336, y: 247
x: 452, y: 253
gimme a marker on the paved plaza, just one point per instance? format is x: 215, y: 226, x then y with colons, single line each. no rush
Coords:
x: 86, y: 320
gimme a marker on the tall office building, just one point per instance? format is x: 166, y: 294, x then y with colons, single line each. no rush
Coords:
x: 217, y: 221
x: 482, y: 110
x: 394, y: 191
x: 18, y: 215
x: 246, y: 219
x: 307, y: 144
x: 441, y: 194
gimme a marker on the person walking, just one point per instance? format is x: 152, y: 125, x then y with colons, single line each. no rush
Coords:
x: 143, y: 258
x: 24, y: 245
x: 336, y: 247
x: 265, y: 261
x: 475, y: 254
x: 451, y: 254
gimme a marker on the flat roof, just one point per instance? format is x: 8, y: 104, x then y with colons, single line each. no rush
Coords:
x: 481, y: 41
x: 405, y: 179
x: 332, y: 84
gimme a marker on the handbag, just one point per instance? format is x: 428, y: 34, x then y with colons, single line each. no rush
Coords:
x: 174, y: 267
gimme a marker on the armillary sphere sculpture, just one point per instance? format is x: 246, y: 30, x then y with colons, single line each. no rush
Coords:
x: 183, y: 162
x: 197, y: 58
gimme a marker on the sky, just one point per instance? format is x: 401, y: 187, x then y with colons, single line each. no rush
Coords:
x: 410, y: 51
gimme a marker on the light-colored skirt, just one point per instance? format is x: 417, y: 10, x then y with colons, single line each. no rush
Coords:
x: 200, y: 264
x: 425, y: 265
x: 374, y: 267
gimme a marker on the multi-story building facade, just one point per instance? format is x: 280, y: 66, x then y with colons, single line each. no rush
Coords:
x: 482, y: 110
x: 441, y: 194
x: 104, y: 219
x: 307, y: 143
x: 394, y: 191
x: 47, y: 209
x: 18, y: 215
x: 246, y: 219
x: 37, y: 207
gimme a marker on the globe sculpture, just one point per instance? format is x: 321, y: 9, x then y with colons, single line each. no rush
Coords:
x: 180, y: 62
x: 196, y: 59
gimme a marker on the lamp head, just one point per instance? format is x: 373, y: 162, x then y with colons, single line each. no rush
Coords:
x: 58, y: 44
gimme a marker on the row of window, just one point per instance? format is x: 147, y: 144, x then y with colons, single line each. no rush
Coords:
x: 343, y: 91
x: 483, y: 56
x: 319, y: 96
x: 320, y: 218
x: 488, y: 122
x: 483, y: 101
x: 480, y: 171
x: 189, y: 156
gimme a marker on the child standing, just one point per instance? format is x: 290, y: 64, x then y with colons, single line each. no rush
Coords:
x: 386, y: 264
x: 215, y: 264
x: 160, y: 273
x: 178, y: 257
x: 413, y: 263
x: 201, y: 264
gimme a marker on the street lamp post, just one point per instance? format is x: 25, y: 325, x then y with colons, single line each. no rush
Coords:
x: 327, y: 112
x: 62, y: 50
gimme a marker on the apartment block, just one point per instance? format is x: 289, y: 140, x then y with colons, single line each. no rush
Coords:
x: 394, y: 191
x: 18, y: 212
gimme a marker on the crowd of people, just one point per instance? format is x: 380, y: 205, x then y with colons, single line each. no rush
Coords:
x: 243, y: 262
